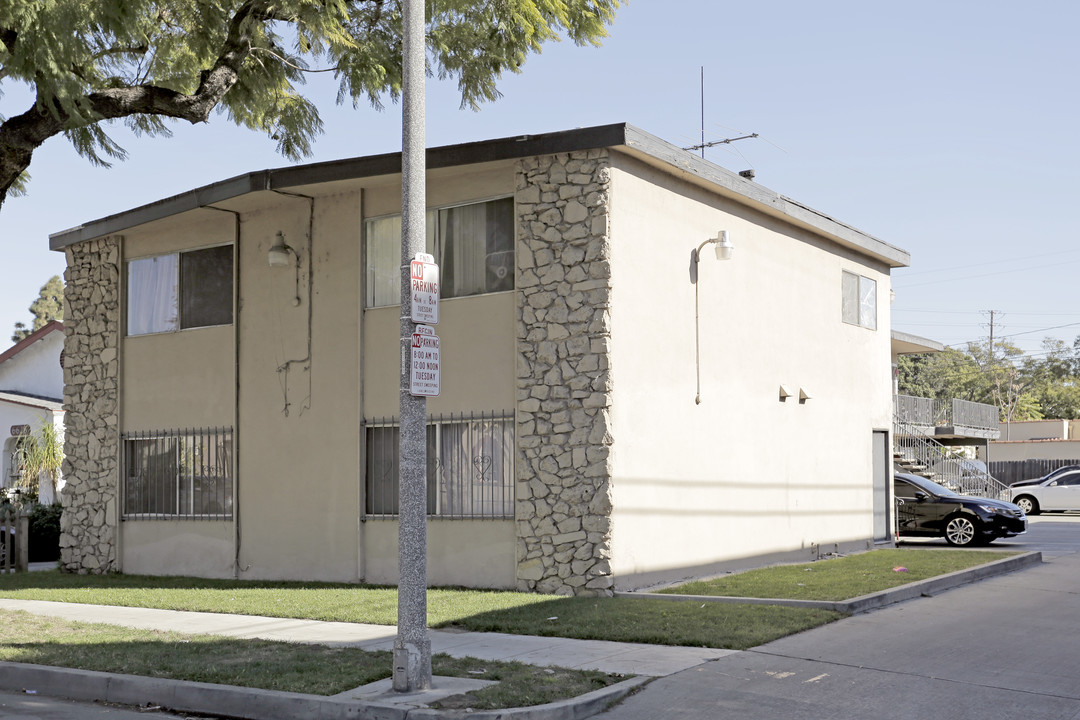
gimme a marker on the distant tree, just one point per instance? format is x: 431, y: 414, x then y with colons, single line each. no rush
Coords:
x: 1023, y: 387
x: 1056, y: 379
x: 1010, y: 380
x: 945, y: 375
x: 145, y: 61
x: 49, y: 306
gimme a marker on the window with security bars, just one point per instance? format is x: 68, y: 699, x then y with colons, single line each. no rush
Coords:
x: 179, y: 474
x: 470, y: 466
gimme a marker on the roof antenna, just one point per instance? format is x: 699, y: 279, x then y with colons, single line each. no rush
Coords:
x: 702, y: 112
x: 726, y: 141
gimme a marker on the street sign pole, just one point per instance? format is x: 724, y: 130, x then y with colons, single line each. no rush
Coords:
x: 412, y: 646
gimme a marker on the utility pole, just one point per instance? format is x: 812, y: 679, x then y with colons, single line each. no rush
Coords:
x: 412, y: 646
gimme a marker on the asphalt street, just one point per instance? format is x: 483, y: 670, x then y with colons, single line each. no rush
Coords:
x: 37, y: 707
x: 998, y: 649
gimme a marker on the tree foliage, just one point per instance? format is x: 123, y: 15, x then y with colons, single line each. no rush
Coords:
x: 48, y: 306
x: 1022, y: 387
x: 144, y: 62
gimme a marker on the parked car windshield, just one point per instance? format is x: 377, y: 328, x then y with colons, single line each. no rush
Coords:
x: 930, y: 486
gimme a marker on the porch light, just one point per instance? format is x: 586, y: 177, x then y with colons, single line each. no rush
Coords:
x: 723, y: 249
x: 279, y: 252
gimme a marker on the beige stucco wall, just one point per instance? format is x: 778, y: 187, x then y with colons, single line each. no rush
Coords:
x: 742, y: 473
x: 192, y: 547
x: 472, y: 553
x: 1034, y: 450
x: 1035, y: 430
x: 476, y: 356
x: 299, y: 441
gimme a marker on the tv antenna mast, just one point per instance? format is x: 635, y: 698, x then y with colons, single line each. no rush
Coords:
x: 714, y: 143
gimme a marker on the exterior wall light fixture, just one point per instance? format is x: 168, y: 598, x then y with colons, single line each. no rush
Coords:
x: 723, y: 248
x: 279, y: 252
x: 278, y: 256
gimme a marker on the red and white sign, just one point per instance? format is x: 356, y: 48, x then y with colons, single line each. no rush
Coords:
x: 424, y: 374
x: 424, y: 274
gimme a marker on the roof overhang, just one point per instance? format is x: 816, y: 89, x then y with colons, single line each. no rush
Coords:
x: 906, y: 344
x: 14, y: 398
x: 620, y: 137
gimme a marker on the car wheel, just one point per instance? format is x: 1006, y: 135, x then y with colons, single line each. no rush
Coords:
x: 1028, y: 504
x: 960, y: 531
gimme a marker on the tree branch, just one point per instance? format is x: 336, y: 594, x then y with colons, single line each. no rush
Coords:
x: 21, y: 135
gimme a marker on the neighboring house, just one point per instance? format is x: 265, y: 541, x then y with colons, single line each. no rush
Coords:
x: 232, y: 400
x: 1031, y: 448
x: 31, y: 393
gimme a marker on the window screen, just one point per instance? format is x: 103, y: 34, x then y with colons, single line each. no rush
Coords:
x: 206, y: 287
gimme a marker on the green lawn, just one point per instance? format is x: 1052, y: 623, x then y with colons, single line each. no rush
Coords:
x: 841, y: 578
x: 626, y: 620
x: 288, y: 667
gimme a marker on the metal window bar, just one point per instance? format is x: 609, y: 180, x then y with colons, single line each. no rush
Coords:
x: 178, y: 474
x: 470, y: 466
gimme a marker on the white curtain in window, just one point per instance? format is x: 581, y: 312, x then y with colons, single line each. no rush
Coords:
x: 384, y: 258
x: 463, y: 234
x: 153, y: 295
x: 384, y: 261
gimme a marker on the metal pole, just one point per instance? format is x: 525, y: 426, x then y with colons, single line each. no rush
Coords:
x: 412, y: 647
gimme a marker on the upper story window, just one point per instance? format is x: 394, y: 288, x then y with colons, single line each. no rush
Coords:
x: 859, y: 300
x: 473, y: 245
x: 177, y: 291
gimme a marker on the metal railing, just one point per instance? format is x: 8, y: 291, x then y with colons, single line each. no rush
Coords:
x: 178, y: 474
x: 940, y: 413
x: 923, y: 455
x: 470, y: 466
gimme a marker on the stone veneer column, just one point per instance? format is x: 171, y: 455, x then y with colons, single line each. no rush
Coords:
x: 563, y: 383
x: 88, y: 526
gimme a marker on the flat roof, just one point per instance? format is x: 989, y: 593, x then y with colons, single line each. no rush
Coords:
x: 620, y: 136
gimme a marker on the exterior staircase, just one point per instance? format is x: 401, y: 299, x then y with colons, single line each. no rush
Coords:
x: 918, y: 453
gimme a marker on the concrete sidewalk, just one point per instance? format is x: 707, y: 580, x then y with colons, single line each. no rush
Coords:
x: 611, y: 657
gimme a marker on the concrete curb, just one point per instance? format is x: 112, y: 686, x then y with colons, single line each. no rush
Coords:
x: 255, y: 704
x: 864, y: 603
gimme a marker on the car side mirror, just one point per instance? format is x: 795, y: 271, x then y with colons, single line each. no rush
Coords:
x: 921, y: 496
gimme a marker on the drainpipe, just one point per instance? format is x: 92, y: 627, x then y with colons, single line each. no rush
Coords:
x: 236, y: 389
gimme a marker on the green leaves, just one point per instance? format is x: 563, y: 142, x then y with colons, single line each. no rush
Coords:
x: 95, y: 60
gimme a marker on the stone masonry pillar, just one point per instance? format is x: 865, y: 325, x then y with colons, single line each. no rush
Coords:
x: 89, y: 525
x: 564, y: 438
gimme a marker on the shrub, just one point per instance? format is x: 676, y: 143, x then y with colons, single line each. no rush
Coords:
x: 45, y: 533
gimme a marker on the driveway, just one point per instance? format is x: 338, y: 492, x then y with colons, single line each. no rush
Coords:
x: 1001, y: 648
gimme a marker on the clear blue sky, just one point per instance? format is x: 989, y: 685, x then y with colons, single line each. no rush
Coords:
x: 945, y: 127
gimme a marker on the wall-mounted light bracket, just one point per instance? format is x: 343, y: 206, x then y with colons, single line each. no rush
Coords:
x: 278, y: 256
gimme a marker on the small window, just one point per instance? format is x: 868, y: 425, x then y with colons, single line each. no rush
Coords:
x: 179, y: 291
x: 858, y: 300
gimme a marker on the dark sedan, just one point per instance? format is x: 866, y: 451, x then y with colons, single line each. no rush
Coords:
x: 924, y: 508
